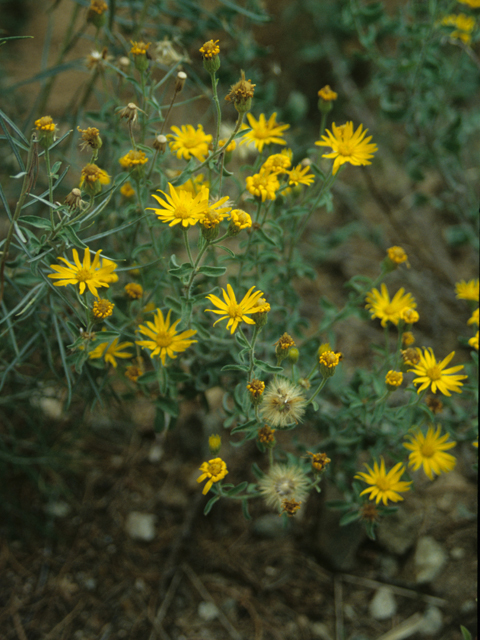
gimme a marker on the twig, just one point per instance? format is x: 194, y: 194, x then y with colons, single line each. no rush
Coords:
x: 405, y: 629
x: 338, y: 595
x: 200, y: 587
x: 400, y: 591
x: 162, y: 612
x: 63, y: 623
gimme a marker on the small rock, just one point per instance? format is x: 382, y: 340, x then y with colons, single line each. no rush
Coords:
x: 140, y: 526
x: 207, y: 611
x: 383, y: 605
x: 319, y: 630
x: 155, y: 454
x: 58, y: 509
x: 398, y: 532
x: 430, y: 558
x: 432, y: 622
x: 457, y: 553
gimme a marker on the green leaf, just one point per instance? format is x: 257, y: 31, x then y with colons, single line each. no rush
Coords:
x: 147, y: 378
x: 209, y: 505
x: 245, y: 511
x: 349, y: 517
x: 235, y: 367
x: 246, y: 427
x: 74, y: 239
x: 238, y: 489
x: 465, y: 633
x: 212, y: 272
x: 220, y: 246
x: 180, y: 272
x: 36, y: 221
x: 269, y: 368
x: 168, y: 405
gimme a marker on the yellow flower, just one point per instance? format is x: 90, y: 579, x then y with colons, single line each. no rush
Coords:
x: 139, y: 48
x: 215, y: 211
x: 180, y: 207
x: 410, y: 316
x: 214, y: 470
x: 127, y: 190
x: 283, y: 482
x: 283, y: 403
x: 263, y: 185
x: 240, y: 219
x: 430, y: 372
x: 45, y: 124
x: 467, y: 290
x: 187, y: 142
x: 231, y: 146
x: 429, y: 452
x: 256, y: 388
x: 387, y: 310
x: 133, y: 158
x: 98, y: 6
x: 91, y: 275
x: 394, y: 379
x: 397, y: 255
x: 347, y: 146
x: 194, y: 185
x: 327, y: 94
x: 464, y: 25
x: 214, y: 443
x: 277, y: 163
x: 473, y: 342
x: 102, y: 308
x: 385, y: 486
x: 236, y: 312
x: 110, y: 352
x: 474, y: 4
x: 92, y: 176
x: 163, y: 338
x: 133, y: 290
x: 264, y: 131
x: 210, y: 49
x: 407, y: 338
x: 319, y: 461
x: 133, y: 372
x: 300, y: 175
x: 474, y: 318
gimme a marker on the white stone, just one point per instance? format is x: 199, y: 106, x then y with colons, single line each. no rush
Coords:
x: 430, y: 558
x: 155, y: 454
x: 383, y: 604
x: 58, y: 509
x: 432, y: 622
x: 207, y: 611
x: 140, y: 526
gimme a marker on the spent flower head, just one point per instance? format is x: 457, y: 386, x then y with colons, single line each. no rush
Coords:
x: 90, y: 138
x: 266, y: 436
x: 384, y: 486
x: 319, y: 461
x: 283, y: 403
x: 428, y: 451
x: 429, y: 372
x: 347, y: 146
x: 92, y: 178
x: 283, y: 482
x: 241, y: 94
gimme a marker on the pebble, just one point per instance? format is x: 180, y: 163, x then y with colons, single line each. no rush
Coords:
x: 383, y: 604
x: 155, y: 454
x: 430, y: 558
x: 432, y: 622
x: 207, y: 611
x: 320, y: 630
x: 58, y: 509
x: 140, y: 526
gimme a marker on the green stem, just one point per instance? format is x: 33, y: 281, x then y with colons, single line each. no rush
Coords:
x: 319, y: 388
x: 218, y: 110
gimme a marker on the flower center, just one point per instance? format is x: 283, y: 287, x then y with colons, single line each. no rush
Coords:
x: 84, y: 274
x: 434, y: 373
x: 163, y: 339
x: 427, y: 451
x: 383, y: 484
x: 388, y: 309
x: 182, y: 212
x: 215, y: 468
x: 284, y: 487
x: 344, y: 149
x: 190, y: 142
x: 234, y: 310
x: 261, y: 132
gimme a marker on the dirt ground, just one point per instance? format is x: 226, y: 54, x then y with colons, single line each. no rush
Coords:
x: 74, y: 569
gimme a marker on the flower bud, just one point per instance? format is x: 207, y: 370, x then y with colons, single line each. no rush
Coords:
x: 293, y: 355
x: 211, y: 59
x: 393, y: 380
x: 214, y: 444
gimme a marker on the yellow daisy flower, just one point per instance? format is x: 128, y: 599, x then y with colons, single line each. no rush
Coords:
x: 429, y: 452
x: 45, y: 124
x: 380, y: 305
x: 467, y: 290
x: 327, y: 94
x: 187, y: 142
x: 300, y: 175
x: 474, y: 318
x: 277, y: 163
x: 384, y: 486
x: 473, y: 342
x: 133, y: 158
x: 127, y: 190
x: 347, y: 146
x: 263, y: 184
x: 214, y: 470
x: 163, y: 339
x: 464, y: 25
x: 89, y: 274
x: 111, y: 351
x: 180, y: 207
x: 474, y: 4
x: 240, y: 219
x: 264, y: 131
x: 236, y: 312
x: 397, y: 255
x: 431, y: 372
